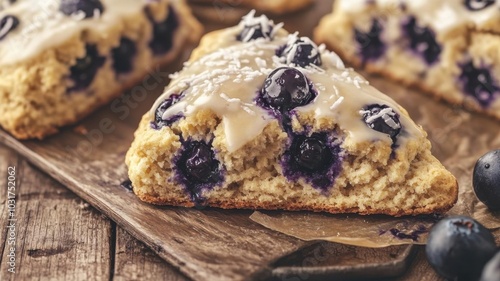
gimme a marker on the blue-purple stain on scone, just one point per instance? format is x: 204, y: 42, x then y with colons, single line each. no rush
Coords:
x: 370, y: 44
x: 478, y: 83
x: 163, y: 32
x: 83, y: 72
x: 81, y: 8
x: 197, y: 168
x: 315, y: 158
x: 159, y: 122
x: 422, y: 40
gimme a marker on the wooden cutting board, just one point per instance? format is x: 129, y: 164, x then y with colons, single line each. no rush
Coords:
x: 212, y: 244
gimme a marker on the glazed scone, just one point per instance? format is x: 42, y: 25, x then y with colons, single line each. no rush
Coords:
x: 274, y: 7
x: 262, y: 119
x: 447, y: 48
x: 62, y: 59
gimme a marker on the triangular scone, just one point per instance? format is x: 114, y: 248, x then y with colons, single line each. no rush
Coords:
x: 262, y: 119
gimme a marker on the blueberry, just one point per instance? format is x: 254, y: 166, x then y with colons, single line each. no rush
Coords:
x: 200, y: 165
x: 7, y: 24
x: 85, y: 69
x: 286, y: 88
x: 311, y: 154
x: 371, y: 45
x: 301, y: 52
x: 123, y: 56
x: 486, y: 179
x: 88, y: 7
x: 159, y: 121
x: 477, y: 5
x: 383, y: 119
x: 422, y: 40
x: 163, y: 33
x: 458, y: 248
x: 478, y: 83
x: 491, y: 271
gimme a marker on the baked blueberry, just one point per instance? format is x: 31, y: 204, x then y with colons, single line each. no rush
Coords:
x: 371, y: 46
x: 311, y: 154
x: 491, y: 271
x: 286, y: 88
x: 123, y: 56
x: 7, y: 24
x: 422, y: 40
x: 478, y: 83
x: 83, y: 72
x: 477, y: 5
x: 383, y: 119
x: 486, y: 179
x: 163, y: 33
x: 315, y: 158
x: 301, y: 51
x: 159, y: 121
x: 458, y: 248
x: 89, y: 8
x: 198, y: 169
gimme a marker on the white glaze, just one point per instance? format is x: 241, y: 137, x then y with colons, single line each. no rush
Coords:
x: 42, y: 26
x: 227, y: 81
x: 441, y: 15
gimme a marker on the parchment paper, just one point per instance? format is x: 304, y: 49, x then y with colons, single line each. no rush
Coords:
x: 458, y: 137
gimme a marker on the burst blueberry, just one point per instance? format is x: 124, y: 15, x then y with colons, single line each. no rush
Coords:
x: 89, y: 8
x: 383, y: 119
x: 7, y: 24
x: 83, y: 72
x: 371, y: 46
x: 477, y: 5
x: 301, y: 52
x: 486, y: 179
x: 123, y: 56
x: 478, y: 83
x: 422, y: 40
x: 286, y: 88
x: 166, y: 104
x: 163, y: 32
x: 459, y: 247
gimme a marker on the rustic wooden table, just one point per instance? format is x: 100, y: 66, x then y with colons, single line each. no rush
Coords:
x: 61, y: 237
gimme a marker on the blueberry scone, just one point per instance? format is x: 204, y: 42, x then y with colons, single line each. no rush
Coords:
x: 263, y: 119
x: 61, y: 59
x: 447, y: 48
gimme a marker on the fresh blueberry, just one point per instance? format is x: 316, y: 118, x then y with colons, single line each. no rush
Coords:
x: 477, y: 5
x: 311, y: 154
x: 123, y: 56
x: 286, y: 88
x: 7, y: 24
x: 371, y: 45
x: 382, y: 118
x: 163, y: 33
x: 458, y: 248
x: 89, y: 7
x: 422, y: 40
x: 478, y: 83
x: 301, y: 52
x: 159, y: 121
x: 486, y: 179
x: 85, y: 69
x: 491, y: 271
